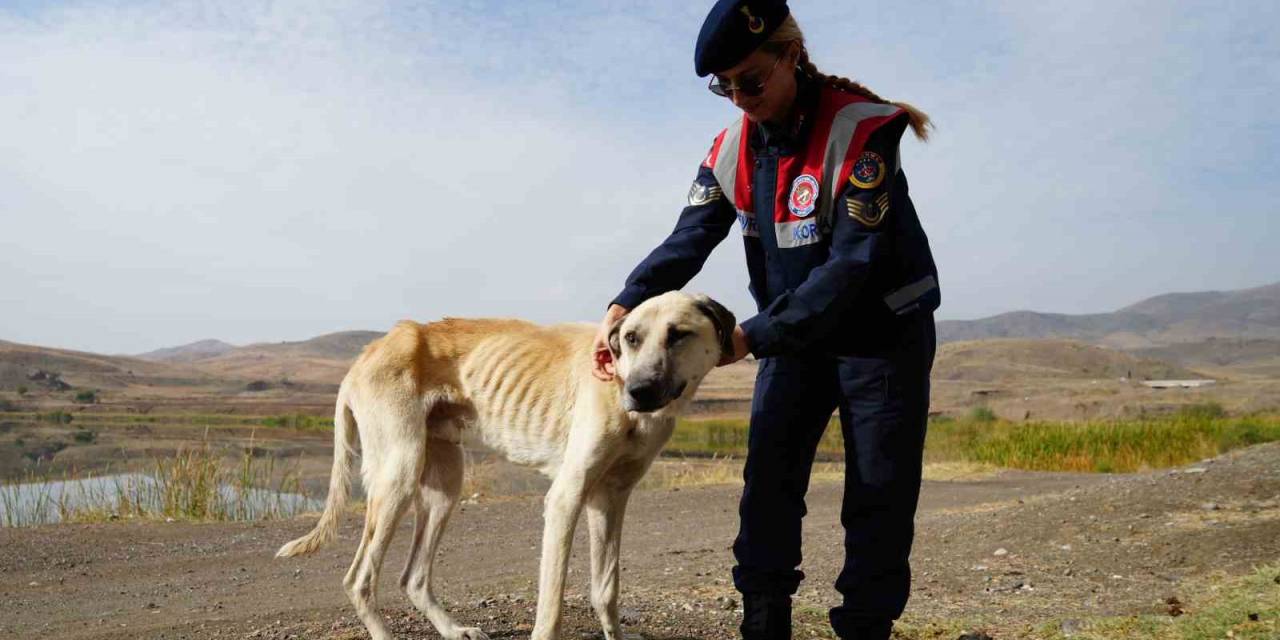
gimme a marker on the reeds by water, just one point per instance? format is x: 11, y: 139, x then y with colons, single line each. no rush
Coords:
x: 197, y: 484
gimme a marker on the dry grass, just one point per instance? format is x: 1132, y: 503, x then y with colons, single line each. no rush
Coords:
x: 195, y: 484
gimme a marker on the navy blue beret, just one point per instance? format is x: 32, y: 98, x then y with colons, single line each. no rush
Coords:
x: 734, y: 29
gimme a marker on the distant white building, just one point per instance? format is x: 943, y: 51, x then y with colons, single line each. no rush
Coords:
x: 1178, y: 384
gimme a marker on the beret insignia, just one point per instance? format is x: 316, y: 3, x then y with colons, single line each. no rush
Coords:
x: 754, y: 24
x: 700, y: 194
x: 868, y: 171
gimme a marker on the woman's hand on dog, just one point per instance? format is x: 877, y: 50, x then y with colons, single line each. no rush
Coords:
x: 740, y: 348
x: 602, y: 358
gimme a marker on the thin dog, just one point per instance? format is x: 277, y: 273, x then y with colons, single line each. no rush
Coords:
x: 528, y: 391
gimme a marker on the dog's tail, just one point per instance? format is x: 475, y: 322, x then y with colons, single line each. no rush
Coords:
x: 344, y: 440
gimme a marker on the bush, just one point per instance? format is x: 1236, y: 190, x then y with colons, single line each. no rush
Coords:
x: 85, y: 436
x: 6, y: 405
x: 87, y: 397
x: 1203, y: 411
x: 44, y: 452
x: 22, y: 391
x: 982, y: 414
x: 61, y: 417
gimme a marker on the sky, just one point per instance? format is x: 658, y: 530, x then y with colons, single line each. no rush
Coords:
x: 262, y: 171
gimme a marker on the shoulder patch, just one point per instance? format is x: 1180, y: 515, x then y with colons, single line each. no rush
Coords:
x: 700, y: 194
x: 870, y: 212
x: 868, y: 171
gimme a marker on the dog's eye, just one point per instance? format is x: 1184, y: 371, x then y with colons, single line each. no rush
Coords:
x: 675, y: 335
x: 631, y: 338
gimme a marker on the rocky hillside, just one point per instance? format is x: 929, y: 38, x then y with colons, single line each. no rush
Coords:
x: 1020, y: 360
x: 1163, y: 320
x: 36, y: 367
x: 1253, y: 356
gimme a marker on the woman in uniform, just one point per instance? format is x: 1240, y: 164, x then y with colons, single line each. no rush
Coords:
x: 845, y: 286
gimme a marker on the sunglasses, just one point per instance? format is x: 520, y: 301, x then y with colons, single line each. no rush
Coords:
x: 748, y: 87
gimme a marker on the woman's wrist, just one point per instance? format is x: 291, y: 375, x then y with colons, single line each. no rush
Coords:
x: 614, y: 312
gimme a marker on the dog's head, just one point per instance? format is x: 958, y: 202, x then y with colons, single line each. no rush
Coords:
x: 665, y: 346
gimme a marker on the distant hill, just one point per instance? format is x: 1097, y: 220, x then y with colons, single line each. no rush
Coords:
x: 323, y: 359
x: 343, y: 345
x: 1021, y: 359
x: 1163, y: 320
x: 188, y: 352
x: 20, y: 362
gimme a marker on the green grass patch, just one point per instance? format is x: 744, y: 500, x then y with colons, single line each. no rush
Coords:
x: 1111, y: 446
x: 60, y: 417
x: 291, y: 421
x: 728, y: 437
x: 298, y: 421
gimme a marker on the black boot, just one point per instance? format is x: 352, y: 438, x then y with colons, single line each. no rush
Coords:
x: 766, y: 616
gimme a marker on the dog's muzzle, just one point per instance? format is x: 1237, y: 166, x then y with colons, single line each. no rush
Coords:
x: 647, y: 396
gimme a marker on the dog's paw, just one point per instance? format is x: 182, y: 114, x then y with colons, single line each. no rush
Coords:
x: 470, y: 633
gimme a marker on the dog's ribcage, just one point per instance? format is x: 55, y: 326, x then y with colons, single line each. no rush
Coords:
x: 521, y: 392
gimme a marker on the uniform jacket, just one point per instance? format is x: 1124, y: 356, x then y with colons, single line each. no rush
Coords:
x: 837, y: 259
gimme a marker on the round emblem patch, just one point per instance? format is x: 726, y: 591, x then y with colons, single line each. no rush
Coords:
x: 868, y: 171
x: 804, y: 195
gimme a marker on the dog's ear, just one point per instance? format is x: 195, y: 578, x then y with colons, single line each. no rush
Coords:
x: 615, y: 347
x: 721, y: 318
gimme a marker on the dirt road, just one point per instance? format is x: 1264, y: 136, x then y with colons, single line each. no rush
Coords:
x: 1005, y: 552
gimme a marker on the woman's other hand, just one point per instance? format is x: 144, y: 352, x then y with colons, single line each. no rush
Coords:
x: 601, y: 358
x: 740, y: 347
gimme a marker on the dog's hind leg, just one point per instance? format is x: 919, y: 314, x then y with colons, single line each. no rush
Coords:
x: 439, y: 488
x: 392, y: 469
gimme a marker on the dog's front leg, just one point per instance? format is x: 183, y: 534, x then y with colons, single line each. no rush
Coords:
x: 560, y: 512
x: 605, y: 508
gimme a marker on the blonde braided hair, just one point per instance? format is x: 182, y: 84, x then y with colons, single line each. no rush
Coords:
x: 789, y: 31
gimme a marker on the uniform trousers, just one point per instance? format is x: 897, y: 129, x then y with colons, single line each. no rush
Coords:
x: 883, y: 403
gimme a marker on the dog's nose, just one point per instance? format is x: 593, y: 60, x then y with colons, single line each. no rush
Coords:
x: 646, y: 394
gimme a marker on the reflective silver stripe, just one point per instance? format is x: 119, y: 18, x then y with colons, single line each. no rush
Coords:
x: 747, y: 221
x: 726, y: 169
x: 843, y: 126
x: 797, y: 233
x: 910, y: 293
